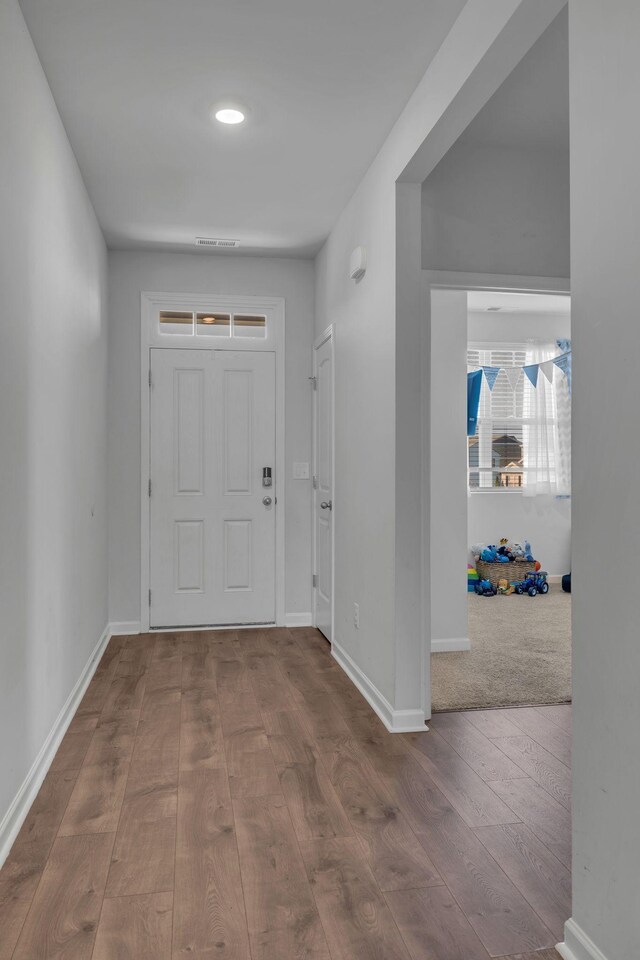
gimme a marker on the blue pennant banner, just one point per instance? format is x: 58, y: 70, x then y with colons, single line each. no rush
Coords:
x: 532, y: 372
x: 491, y: 374
x: 562, y: 362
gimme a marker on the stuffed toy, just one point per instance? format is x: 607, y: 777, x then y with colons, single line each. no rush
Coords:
x: 518, y: 551
x: 527, y: 551
x: 489, y: 554
x: 505, y: 588
x: 476, y: 550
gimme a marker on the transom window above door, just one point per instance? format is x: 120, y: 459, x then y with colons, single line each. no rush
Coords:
x: 212, y: 323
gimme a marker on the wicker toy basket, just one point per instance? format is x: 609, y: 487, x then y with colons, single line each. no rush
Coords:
x: 514, y: 570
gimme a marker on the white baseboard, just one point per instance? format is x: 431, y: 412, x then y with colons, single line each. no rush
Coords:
x: 119, y: 628
x: 298, y: 620
x: 396, y: 721
x: 450, y: 645
x: 21, y: 803
x: 577, y: 945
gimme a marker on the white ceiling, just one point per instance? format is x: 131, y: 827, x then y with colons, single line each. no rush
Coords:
x: 531, y: 108
x: 134, y: 81
x: 545, y: 304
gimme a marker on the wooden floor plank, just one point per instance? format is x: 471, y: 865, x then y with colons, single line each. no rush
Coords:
x: 357, y: 921
x: 19, y: 879
x: 94, y: 805
x: 488, y: 761
x: 540, y: 765
x: 396, y: 859
x: 284, y: 923
x: 315, y: 809
x: 544, y: 816
x: 136, y: 927
x: 143, y: 858
x: 252, y: 771
x: 433, y: 925
x: 124, y: 697
x: 64, y: 913
x: 75, y: 743
x: 154, y: 763
x: 493, y: 723
x: 209, y: 917
x: 544, y: 731
x: 289, y: 738
x: 112, y: 740
x: 538, y: 875
x: 201, y: 740
x: 468, y: 793
x: 270, y: 686
x: 559, y: 713
x: 45, y: 816
x: 269, y: 851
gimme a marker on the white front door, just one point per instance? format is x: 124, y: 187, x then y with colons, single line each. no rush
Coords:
x: 212, y: 522
x: 323, y: 492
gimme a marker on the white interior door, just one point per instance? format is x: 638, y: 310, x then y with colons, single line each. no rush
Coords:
x: 323, y: 486
x: 212, y: 522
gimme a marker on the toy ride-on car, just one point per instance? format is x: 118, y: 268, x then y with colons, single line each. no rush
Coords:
x: 533, y: 583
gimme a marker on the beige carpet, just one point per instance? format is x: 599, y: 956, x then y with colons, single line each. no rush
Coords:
x: 520, y: 654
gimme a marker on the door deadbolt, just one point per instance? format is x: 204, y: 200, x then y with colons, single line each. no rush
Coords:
x: 266, y: 477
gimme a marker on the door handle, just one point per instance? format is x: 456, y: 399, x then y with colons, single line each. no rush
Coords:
x: 326, y: 505
x: 266, y: 501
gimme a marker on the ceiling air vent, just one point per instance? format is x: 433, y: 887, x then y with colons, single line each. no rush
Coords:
x: 215, y: 242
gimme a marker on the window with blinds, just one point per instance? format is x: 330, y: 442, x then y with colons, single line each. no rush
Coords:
x: 507, y: 416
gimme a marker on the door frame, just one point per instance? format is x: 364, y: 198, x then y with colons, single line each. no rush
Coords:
x: 150, y: 303
x: 327, y: 334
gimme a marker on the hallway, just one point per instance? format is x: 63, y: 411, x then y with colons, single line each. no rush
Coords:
x: 231, y: 795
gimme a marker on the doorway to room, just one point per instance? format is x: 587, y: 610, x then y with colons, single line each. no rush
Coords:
x: 502, y: 498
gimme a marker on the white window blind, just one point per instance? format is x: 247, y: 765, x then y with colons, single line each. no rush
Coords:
x: 512, y: 422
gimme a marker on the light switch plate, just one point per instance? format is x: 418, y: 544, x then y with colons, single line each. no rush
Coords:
x: 301, y: 471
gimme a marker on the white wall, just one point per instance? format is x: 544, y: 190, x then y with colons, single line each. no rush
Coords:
x: 379, y: 506
x: 132, y: 272
x: 53, y: 355
x: 605, y: 253
x: 497, y: 210
x: 544, y: 520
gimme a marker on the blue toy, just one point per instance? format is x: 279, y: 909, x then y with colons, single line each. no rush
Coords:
x: 527, y: 552
x: 533, y: 583
x: 484, y: 588
x: 489, y: 554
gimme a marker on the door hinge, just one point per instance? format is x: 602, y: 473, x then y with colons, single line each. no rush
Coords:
x: 315, y: 580
x: 149, y: 376
x: 149, y: 486
x: 315, y: 483
x: 314, y: 382
x: 149, y: 597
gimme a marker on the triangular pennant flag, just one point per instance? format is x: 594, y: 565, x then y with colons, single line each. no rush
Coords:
x: 513, y: 375
x: 491, y: 374
x: 532, y: 373
x: 562, y: 362
x: 547, y: 368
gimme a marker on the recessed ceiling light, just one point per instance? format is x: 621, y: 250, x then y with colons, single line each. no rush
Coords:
x: 229, y: 115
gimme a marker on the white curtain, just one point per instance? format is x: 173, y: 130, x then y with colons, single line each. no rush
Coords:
x: 547, y: 428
